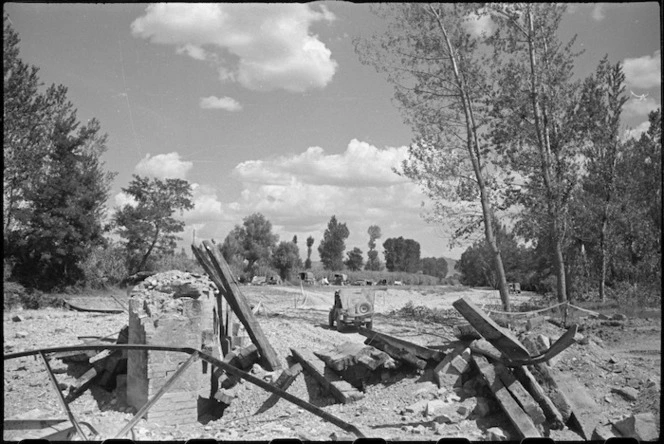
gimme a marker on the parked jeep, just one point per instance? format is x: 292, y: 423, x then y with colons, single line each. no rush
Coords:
x: 352, y: 308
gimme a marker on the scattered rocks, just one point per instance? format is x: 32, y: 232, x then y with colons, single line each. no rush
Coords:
x: 18, y: 318
x: 496, y: 434
x: 21, y: 334
x: 628, y: 393
x: 642, y: 426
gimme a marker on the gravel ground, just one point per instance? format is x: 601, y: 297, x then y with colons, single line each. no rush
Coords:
x: 297, y: 317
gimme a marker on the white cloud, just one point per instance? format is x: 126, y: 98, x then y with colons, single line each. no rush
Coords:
x: 644, y: 72
x: 638, y: 107
x: 122, y: 199
x: 479, y: 25
x: 225, y: 103
x: 261, y: 46
x: 207, y: 206
x: 163, y: 166
x: 635, y: 133
x: 361, y: 165
x: 599, y: 12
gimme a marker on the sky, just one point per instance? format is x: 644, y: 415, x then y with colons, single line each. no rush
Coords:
x: 266, y: 108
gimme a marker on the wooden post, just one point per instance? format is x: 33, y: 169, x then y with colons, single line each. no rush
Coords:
x: 502, y: 339
x: 222, y: 276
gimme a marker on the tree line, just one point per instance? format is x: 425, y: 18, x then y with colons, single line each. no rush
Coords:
x: 252, y: 249
x: 502, y: 126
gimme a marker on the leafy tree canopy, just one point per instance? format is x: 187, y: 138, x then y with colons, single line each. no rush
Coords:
x: 286, y: 258
x: 331, y: 248
x: 148, y: 227
x: 253, y: 243
x: 402, y: 254
x: 354, y: 260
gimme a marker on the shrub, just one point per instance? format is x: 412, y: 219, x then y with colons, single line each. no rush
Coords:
x: 104, y: 266
x: 15, y: 295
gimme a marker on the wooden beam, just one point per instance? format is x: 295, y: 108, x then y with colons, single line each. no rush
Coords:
x: 397, y: 353
x: 550, y: 410
x: 414, y: 349
x: 514, y: 412
x: 285, y: 379
x: 341, y: 390
x: 529, y: 405
x: 502, y: 339
x: 222, y: 276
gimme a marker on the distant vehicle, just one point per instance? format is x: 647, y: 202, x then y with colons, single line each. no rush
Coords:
x: 382, y: 282
x: 352, y: 309
x: 307, y: 277
x: 258, y: 280
x: 274, y: 280
x: 514, y: 287
x: 398, y: 283
x: 324, y: 281
x: 340, y: 279
x: 359, y: 282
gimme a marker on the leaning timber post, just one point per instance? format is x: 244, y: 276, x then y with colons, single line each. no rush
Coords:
x: 232, y: 293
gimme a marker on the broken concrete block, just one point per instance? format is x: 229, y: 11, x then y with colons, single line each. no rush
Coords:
x: 496, y: 434
x: 534, y: 322
x: 444, y: 419
x: 628, y: 393
x: 18, y: 318
x: 642, y: 426
x: 543, y: 343
x: 448, y: 372
x: 602, y: 432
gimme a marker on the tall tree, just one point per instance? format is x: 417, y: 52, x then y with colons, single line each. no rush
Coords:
x: 354, y: 260
x: 433, y: 61
x: 148, y: 227
x: 533, y: 125
x: 373, y: 262
x: 310, y: 243
x: 286, y: 258
x: 402, y: 254
x: 435, y: 266
x: 64, y: 221
x: 253, y: 242
x: 331, y: 248
x: 598, y: 117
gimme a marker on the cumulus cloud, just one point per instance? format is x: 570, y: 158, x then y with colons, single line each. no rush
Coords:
x: 637, y: 107
x: 361, y: 165
x: 599, y: 12
x: 163, y: 166
x: 261, y: 46
x: 635, y: 133
x: 225, y: 103
x: 644, y: 72
x: 207, y: 206
x: 122, y: 199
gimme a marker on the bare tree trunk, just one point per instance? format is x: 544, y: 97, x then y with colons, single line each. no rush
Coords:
x: 603, y: 257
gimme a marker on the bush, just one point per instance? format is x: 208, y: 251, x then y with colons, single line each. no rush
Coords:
x: 16, y: 295
x: 104, y: 266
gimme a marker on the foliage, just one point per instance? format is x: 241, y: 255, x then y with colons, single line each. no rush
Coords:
x: 310, y: 243
x: 402, y: 254
x: 251, y: 245
x: 434, y: 267
x: 177, y: 261
x: 373, y: 262
x: 147, y: 226
x: 534, y: 121
x: 286, y: 258
x: 15, y: 295
x: 105, y: 266
x: 55, y: 188
x: 354, y: 260
x: 331, y: 248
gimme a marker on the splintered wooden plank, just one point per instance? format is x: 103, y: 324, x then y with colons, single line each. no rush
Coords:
x: 514, y: 412
x: 502, y: 339
x: 414, y: 349
x: 519, y: 393
x: 341, y: 390
x: 215, y: 265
